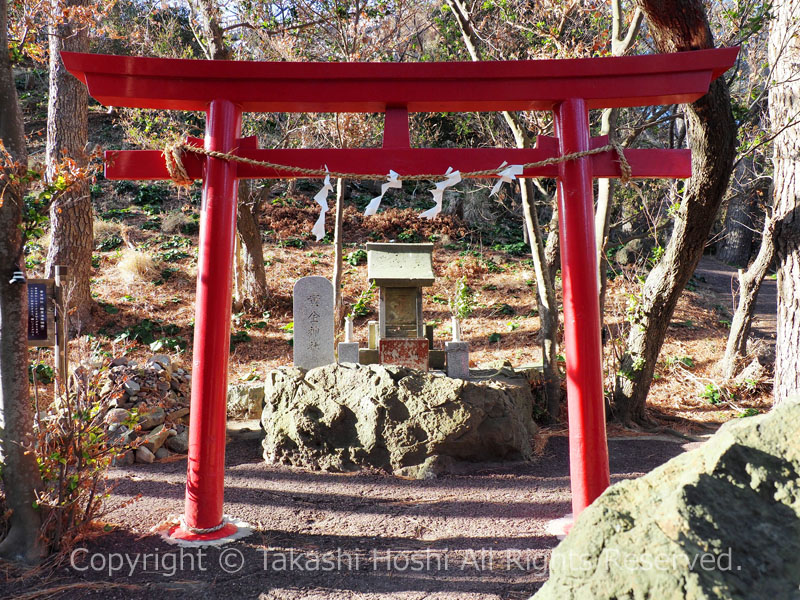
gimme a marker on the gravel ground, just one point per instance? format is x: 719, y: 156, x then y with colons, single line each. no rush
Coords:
x: 478, y: 534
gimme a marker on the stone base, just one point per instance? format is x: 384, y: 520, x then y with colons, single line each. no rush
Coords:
x: 404, y: 352
x: 368, y: 357
x: 348, y: 352
x: 457, y: 359
x: 345, y: 417
x: 437, y: 359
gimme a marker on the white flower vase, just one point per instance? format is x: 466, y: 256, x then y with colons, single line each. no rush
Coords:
x: 456, y: 326
x: 348, y: 329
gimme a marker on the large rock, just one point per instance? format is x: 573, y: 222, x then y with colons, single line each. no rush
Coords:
x: 720, y: 522
x: 245, y: 400
x: 342, y: 417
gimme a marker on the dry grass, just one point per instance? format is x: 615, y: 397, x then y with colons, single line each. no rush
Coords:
x: 104, y: 230
x: 172, y: 222
x: 136, y: 266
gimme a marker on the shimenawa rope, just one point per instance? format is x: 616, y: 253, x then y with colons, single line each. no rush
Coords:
x: 178, y: 173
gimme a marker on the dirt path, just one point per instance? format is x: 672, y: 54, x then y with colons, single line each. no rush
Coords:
x: 722, y: 279
x: 478, y: 534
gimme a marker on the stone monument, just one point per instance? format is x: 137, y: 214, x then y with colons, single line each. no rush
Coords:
x: 313, y: 322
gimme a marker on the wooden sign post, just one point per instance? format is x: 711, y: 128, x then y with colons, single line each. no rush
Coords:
x: 48, y: 319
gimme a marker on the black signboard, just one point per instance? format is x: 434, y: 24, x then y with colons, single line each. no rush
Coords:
x: 41, y: 313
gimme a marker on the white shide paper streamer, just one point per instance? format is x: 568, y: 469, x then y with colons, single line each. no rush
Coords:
x: 374, y: 204
x: 453, y: 177
x: 322, y: 199
x: 507, y: 175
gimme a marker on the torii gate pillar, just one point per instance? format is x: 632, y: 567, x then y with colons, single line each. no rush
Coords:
x: 205, y: 477
x: 588, y: 450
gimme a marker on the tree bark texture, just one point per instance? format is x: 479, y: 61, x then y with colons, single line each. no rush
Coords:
x: 784, y: 109
x: 737, y: 245
x: 71, y: 238
x: 678, y: 25
x: 749, y: 285
x: 252, y: 289
x: 216, y: 48
x: 20, y: 471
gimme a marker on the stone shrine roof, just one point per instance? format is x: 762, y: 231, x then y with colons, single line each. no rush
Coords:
x: 400, y: 265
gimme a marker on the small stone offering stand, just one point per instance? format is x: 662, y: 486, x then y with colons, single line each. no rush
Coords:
x: 400, y: 336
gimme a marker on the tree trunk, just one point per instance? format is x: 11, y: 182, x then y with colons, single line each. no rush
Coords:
x: 784, y: 98
x: 602, y: 217
x: 252, y: 290
x: 546, y: 304
x: 20, y: 472
x: 338, y: 304
x: 749, y: 285
x: 621, y: 42
x: 251, y: 287
x: 546, y: 296
x: 678, y: 25
x: 737, y: 243
x: 552, y: 249
x: 67, y: 136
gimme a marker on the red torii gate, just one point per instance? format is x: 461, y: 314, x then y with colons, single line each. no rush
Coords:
x: 224, y: 89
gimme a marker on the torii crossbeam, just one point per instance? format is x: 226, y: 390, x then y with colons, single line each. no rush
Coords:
x: 224, y: 90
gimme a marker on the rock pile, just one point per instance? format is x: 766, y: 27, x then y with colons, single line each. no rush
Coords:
x: 147, y: 408
x: 343, y: 417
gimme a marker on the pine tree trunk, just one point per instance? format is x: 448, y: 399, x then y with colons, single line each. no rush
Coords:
x: 20, y: 472
x: 678, y: 25
x: 67, y: 135
x: 252, y: 290
x: 784, y: 101
x: 737, y: 244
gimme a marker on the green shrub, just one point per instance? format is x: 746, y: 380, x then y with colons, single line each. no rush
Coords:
x: 462, y: 303
x: 362, y: 305
x: 355, y: 257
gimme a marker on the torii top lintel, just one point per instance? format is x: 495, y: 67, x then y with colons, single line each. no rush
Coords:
x: 397, y: 89
x: 419, y: 87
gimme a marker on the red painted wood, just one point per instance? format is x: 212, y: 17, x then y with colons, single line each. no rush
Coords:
x: 588, y: 450
x: 206, y: 462
x: 395, y: 128
x: 176, y: 84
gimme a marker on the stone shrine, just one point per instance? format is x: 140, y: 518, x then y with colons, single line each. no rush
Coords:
x: 400, y: 271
